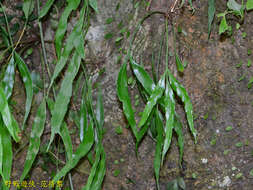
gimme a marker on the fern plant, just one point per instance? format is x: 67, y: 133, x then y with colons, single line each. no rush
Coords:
x: 159, y: 115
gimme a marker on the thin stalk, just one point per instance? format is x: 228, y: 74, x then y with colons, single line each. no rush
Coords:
x: 7, y: 24
x: 167, y: 46
x: 43, y: 48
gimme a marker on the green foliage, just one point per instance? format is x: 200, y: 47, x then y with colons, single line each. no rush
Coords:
x: 233, y: 8
x: 37, y: 130
x: 156, y: 95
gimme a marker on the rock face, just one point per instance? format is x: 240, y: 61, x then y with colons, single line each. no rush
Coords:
x: 211, y: 79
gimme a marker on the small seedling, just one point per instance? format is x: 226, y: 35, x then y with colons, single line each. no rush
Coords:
x: 226, y: 152
x: 109, y: 20
x: 242, y: 78
x: 244, y: 34
x: 249, y: 63
x: 249, y: 52
x: 239, y: 175
x: 229, y: 128
x: 251, y: 172
x: 239, y: 64
x: 116, y: 173
x: 119, y: 130
x: 239, y: 144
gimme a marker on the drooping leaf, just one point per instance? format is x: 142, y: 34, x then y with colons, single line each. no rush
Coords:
x: 211, y: 12
x: 124, y: 97
x: 169, y: 104
x: 8, y: 119
x: 94, y: 168
x: 28, y: 6
x: 182, y: 93
x: 159, y: 145
x: 26, y: 77
x: 99, y: 177
x: 179, y: 63
x: 68, y: 47
x: 81, y: 151
x: 154, y: 97
x: 7, y: 153
x: 236, y: 8
x: 8, y: 80
x: 142, y: 76
x: 64, y: 95
x: 62, y: 26
x: 46, y: 8
x: 93, y: 4
x: 64, y: 133
x: 180, y: 138
x: 34, y: 145
x: 100, y: 110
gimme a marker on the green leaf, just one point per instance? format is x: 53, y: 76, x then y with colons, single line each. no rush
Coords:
x: 179, y: 63
x: 28, y: 6
x: 159, y: 145
x: 64, y: 95
x: 93, y: 4
x: 63, y: 23
x: 169, y: 104
x: 34, y: 145
x: 250, y: 83
x: 46, y: 8
x: 8, y: 80
x: 182, y: 93
x: 81, y: 151
x: 7, y: 154
x: 180, y: 138
x: 152, y: 100
x: 124, y: 97
x: 8, y: 119
x: 233, y: 5
x: 223, y: 25
x: 26, y: 77
x: 100, y: 110
x: 64, y: 133
x: 68, y: 47
x: 99, y: 177
x: 249, y: 5
x: 94, y: 168
x: 142, y: 76
x: 211, y: 12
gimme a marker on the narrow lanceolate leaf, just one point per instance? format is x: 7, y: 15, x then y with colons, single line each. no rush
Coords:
x: 28, y: 6
x: 99, y: 177
x: 211, y: 12
x: 154, y: 97
x: 34, y: 145
x: 159, y: 145
x: 81, y: 151
x: 7, y: 152
x: 8, y: 80
x: 68, y: 47
x: 63, y: 23
x: 26, y: 77
x: 169, y: 103
x: 64, y: 133
x: 83, y: 118
x: 182, y: 93
x: 179, y: 63
x: 63, y: 98
x: 124, y: 97
x: 142, y: 76
x: 46, y: 8
x: 94, y: 168
x: 93, y: 4
x: 180, y: 138
x: 100, y: 110
x: 8, y: 119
